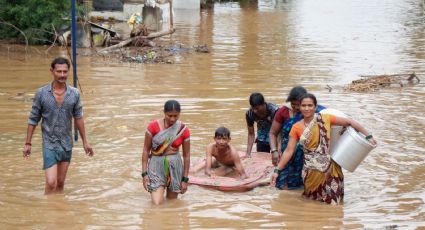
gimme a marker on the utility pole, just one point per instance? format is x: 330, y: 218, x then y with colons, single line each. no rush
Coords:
x: 74, y: 55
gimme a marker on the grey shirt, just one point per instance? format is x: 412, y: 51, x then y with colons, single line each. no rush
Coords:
x: 263, y: 125
x: 56, y: 126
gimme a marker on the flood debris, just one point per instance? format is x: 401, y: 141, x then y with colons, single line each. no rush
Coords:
x: 202, y: 48
x: 164, y: 54
x: 159, y: 55
x: 106, y: 39
x: 19, y: 96
x: 140, y: 45
x: 369, y: 83
x: 137, y: 40
x: 141, y: 25
x: 101, y: 27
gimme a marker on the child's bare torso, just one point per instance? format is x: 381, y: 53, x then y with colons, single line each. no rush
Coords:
x: 223, y: 155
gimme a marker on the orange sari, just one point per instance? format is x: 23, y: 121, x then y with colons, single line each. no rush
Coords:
x: 323, y: 178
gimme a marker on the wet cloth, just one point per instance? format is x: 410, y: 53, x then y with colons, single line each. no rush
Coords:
x: 54, y: 156
x: 164, y: 138
x: 56, y: 124
x: 290, y: 176
x: 257, y: 167
x: 165, y: 171
x: 330, y: 190
x: 263, y: 125
x: 323, y: 178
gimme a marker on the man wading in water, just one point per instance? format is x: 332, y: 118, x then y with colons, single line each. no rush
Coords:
x: 262, y: 113
x: 56, y: 104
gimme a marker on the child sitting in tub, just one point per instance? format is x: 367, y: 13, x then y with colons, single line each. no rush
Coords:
x: 221, y: 153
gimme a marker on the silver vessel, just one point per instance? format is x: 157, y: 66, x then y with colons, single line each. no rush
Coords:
x: 351, y: 149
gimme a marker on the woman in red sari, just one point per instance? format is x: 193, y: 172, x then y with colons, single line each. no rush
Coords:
x: 162, y: 166
x: 323, y: 177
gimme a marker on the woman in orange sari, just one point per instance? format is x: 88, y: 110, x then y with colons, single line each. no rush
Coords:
x: 323, y: 177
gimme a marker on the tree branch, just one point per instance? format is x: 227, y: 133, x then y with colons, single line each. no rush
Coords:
x: 16, y: 28
x: 130, y: 40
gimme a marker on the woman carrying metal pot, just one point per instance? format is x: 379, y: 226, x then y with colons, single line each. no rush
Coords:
x: 323, y: 177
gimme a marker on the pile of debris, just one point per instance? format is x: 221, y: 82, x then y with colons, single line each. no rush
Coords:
x: 375, y: 82
x: 140, y: 47
x: 110, y: 40
x: 160, y: 54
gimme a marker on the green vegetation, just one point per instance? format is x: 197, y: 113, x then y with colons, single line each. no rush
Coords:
x: 35, y: 20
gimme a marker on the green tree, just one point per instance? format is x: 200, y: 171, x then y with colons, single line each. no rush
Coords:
x: 38, y: 19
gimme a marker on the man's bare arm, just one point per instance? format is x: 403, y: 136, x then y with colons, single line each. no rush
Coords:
x: 274, y: 131
x: 208, y: 159
x: 27, y: 145
x: 79, y: 123
x: 250, y: 141
x: 238, y: 163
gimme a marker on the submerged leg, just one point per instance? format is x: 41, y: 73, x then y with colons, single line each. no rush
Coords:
x: 62, y: 170
x: 157, y: 196
x: 171, y: 195
x: 51, y: 179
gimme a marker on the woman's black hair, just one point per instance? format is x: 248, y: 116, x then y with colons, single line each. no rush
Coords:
x: 59, y: 61
x: 256, y: 99
x: 222, y: 132
x: 311, y: 96
x: 296, y: 93
x: 172, y: 105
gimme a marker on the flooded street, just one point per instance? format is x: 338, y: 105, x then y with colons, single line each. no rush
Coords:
x: 269, y: 48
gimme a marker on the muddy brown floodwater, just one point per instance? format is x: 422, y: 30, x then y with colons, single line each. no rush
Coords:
x: 269, y: 47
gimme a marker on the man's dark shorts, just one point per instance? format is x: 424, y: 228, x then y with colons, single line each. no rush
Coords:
x: 54, y: 156
x: 263, y: 146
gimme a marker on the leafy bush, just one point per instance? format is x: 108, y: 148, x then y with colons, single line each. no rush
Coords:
x: 36, y: 18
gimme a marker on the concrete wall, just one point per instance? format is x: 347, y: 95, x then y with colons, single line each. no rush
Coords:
x: 186, y: 4
x: 131, y: 8
x: 158, y: 18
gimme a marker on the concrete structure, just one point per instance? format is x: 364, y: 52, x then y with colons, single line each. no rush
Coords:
x: 128, y: 8
x: 158, y: 18
x: 132, y: 6
x: 186, y: 4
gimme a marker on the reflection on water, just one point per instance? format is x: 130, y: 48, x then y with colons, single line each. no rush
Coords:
x: 268, y: 47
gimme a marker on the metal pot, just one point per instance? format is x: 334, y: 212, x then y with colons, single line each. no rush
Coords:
x: 351, y: 149
x: 335, y: 135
